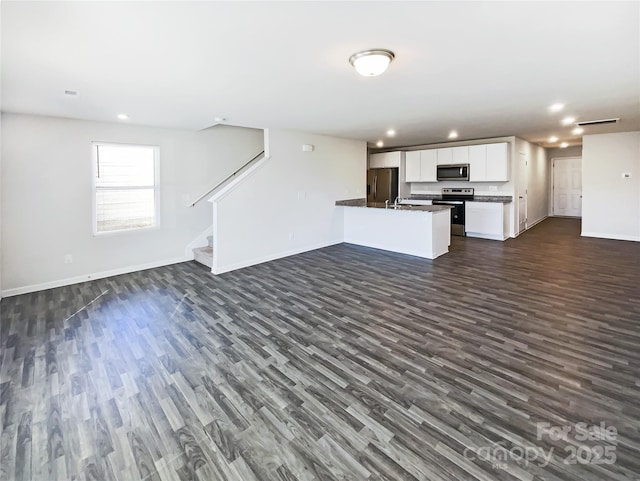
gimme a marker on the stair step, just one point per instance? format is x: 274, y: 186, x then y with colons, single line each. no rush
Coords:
x: 204, y: 255
x: 210, y: 240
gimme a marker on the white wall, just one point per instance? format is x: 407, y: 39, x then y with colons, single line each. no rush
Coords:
x: 1, y: 207
x: 611, y: 204
x: 47, y: 197
x: 287, y: 205
x: 538, y: 175
x: 557, y: 152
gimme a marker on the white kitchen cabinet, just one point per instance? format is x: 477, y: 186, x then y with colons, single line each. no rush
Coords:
x: 421, y: 166
x: 385, y: 159
x: 412, y: 169
x: 460, y: 155
x: 497, y: 162
x: 489, y: 163
x: 486, y: 220
x: 445, y: 156
x: 428, y: 165
x: 477, y: 163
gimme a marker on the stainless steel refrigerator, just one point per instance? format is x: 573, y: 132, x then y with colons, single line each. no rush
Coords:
x: 382, y: 184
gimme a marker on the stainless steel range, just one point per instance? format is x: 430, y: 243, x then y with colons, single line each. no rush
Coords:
x: 456, y: 197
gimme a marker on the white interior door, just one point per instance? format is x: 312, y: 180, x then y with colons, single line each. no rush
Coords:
x: 522, y: 192
x: 567, y: 187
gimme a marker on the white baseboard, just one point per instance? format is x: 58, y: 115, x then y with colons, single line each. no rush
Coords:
x: 91, y: 277
x: 271, y: 257
x: 602, y: 235
x: 529, y: 226
x: 496, y: 237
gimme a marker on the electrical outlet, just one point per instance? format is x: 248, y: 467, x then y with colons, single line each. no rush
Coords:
x: 68, y: 259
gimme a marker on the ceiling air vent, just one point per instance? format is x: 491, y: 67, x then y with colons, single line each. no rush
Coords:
x: 597, y: 122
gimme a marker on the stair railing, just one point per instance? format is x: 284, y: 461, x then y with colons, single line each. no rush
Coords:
x: 226, y: 179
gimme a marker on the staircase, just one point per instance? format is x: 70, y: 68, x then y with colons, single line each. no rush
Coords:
x: 204, y: 255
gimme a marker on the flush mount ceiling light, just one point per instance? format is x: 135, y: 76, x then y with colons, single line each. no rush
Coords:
x: 577, y: 131
x: 453, y: 134
x: 568, y: 120
x: 379, y: 143
x: 557, y: 107
x: 391, y: 133
x: 370, y: 63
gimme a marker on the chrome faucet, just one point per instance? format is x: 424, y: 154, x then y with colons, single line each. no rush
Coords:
x: 398, y: 199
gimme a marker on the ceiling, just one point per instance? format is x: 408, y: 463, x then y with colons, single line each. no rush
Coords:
x: 485, y: 69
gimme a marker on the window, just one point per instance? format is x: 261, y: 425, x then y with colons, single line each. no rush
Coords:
x: 125, y: 187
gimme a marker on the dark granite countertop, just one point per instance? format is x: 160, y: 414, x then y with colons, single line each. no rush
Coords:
x: 503, y: 199
x: 383, y: 205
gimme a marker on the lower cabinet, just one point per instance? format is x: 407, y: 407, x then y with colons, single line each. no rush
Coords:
x: 486, y: 219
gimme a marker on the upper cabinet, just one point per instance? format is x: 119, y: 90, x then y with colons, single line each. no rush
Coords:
x: 421, y: 166
x: 487, y: 162
x: 477, y: 163
x: 385, y: 159
x: 445, y: 156
x: 460, y: 155
x: 497, y: 162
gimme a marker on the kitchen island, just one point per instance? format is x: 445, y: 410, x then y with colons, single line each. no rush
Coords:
x: 417, y: 230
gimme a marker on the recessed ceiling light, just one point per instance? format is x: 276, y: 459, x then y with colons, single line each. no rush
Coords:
x: 391, y: 133
x: 564, y: 145
x: 553, y: 138
x: 577, y: 131
x: 379, y: 143
x: 568, y: 120
x: 557, y: 107
x: 370, y: 63
x: 123, y: 116
x: 453, y: 134
x: 71, y: 92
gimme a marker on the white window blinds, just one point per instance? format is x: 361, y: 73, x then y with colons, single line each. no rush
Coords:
x: 126, y: 190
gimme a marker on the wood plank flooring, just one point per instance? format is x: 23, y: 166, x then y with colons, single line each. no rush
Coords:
x: 344, y: 363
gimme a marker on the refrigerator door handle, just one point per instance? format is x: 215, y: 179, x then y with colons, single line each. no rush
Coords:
x: 375, y: 187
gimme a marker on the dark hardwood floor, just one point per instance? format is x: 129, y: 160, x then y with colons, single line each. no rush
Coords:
x: 341, y: 363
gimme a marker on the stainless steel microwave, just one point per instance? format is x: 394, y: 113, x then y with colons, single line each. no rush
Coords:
x: 453, y: 172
